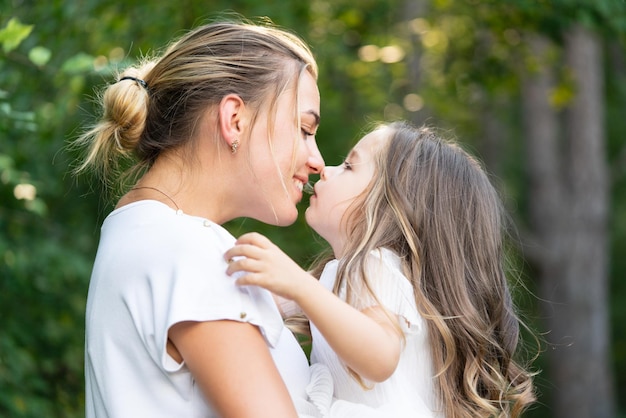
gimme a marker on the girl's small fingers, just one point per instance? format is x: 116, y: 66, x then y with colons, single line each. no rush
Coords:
x: 254, y: 238
x: 231, y: 269
x: 236, y: 251
x: 234, y: 265
x: 243, y: 280
x: 249, y: 265
x: 242, y: 250
x: 229, y: 255
x: 248, y: 279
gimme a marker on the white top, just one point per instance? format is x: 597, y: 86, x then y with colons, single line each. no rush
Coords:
x: 409, y: 392
x: 154, y: 268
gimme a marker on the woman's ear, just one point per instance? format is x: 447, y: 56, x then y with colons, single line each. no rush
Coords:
x: 232, y: 119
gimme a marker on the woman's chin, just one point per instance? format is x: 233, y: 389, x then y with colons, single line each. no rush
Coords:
x: 285, y: 219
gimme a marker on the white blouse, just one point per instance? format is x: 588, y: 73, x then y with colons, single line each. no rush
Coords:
x: 409, y: 392
x: 154, y: 268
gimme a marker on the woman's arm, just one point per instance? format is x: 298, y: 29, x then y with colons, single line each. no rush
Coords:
x: 367, y: 341
x: 234, y: 368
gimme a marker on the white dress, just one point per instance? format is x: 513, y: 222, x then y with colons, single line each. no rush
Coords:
x: 155, y: 268
x: 409, y: 392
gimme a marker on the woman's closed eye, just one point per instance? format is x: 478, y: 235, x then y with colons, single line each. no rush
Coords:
x: 306, y: 134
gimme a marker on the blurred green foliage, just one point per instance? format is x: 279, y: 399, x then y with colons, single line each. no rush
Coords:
x: 54, y: 54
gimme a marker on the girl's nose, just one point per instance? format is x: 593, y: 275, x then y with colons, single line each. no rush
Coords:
x: 326, y: 172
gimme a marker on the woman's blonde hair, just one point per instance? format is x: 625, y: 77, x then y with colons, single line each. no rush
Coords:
x: 432, y: 204
x: 161, y: 109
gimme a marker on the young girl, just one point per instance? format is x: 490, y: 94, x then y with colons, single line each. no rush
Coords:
x: 413, y: 317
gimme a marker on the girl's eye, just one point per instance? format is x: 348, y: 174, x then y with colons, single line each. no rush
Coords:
x: 347, y: 165
x: 306, y: 133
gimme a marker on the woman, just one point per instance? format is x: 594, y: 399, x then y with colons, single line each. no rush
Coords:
x: 221, y: 126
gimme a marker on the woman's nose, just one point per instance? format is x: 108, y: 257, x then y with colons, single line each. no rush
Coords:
x: 315, y: 161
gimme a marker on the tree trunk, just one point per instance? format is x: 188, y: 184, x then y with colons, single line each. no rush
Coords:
x: 547, y: 198
x: 568, y: 198
x: 411, y: 10
x: 583, y: 367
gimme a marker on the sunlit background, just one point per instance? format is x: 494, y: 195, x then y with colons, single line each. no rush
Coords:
x: 536, y: 89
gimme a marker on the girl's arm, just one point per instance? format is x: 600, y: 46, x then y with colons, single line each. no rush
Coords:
x: 286, y: 307
x: 234, y: 368
x: 367, y: 341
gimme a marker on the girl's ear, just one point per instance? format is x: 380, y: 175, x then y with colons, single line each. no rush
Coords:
x: 232, y: 119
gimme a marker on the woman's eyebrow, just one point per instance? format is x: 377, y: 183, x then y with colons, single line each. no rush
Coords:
x: 315, y: 115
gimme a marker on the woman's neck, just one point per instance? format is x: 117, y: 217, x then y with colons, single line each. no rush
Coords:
x: 198, y: 189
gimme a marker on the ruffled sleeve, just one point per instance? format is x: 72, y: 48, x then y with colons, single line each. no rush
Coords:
x: 391, y: 287
x: 188, y: 282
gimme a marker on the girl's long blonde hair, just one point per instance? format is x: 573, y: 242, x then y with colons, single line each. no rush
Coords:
x: 432, y: 204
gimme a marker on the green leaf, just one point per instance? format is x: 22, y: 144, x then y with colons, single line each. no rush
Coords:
x: 6, y: 162
x: 39, y: 55
x: 13, y: 34
x: 79, y: 63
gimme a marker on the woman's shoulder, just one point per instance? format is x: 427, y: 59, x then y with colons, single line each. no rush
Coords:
x: 149, y: 219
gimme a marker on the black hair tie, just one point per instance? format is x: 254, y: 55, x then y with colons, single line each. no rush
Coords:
x: 138, y: 80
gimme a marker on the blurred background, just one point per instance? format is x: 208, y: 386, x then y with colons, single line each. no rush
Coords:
x: 536, y: 89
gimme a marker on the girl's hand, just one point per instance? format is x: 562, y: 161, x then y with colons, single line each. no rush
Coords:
x: 267, y: 266
x: 346, y: 329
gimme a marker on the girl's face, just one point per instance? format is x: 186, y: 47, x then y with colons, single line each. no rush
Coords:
x: 279, y: 173
x: 339, y: 186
